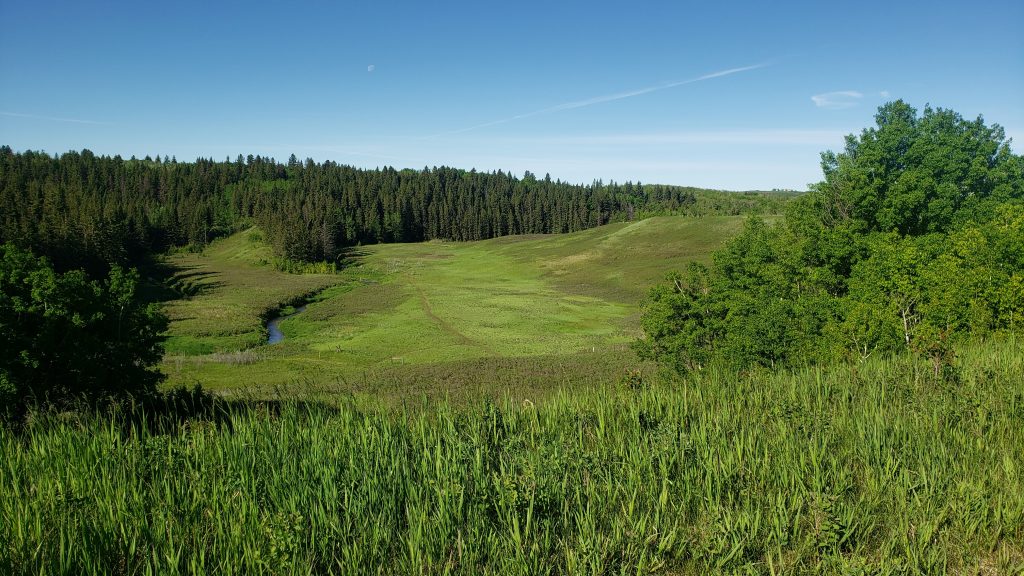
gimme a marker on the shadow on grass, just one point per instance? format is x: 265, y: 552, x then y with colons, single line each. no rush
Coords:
x: 169, y: 412
x: 163, y: 282
x: 350, y: 256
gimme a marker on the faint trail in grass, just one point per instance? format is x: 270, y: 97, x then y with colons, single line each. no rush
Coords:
x: 445, y: 325
x: 517, y: 309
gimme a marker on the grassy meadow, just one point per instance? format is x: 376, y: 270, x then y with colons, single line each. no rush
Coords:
x: 445, y: 319
x: 880, y: 468
x: 461, y: 408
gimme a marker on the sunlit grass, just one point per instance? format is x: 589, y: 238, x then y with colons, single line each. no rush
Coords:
x: 874, y: 469
x: 230, y: 286
x: 401, y: 307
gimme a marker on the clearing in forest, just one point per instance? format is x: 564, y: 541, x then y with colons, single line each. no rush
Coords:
x: 519, y: 313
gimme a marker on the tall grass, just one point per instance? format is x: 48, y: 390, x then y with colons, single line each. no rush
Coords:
x: 879, y: 469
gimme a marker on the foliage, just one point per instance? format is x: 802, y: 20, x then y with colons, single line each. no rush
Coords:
x: 302, y: 267
x: 920, y: 174
x: 66, y: 338
x: 87, y: 211
x: 689, y: 201
x: 875, y: 469
x: 913, y: 241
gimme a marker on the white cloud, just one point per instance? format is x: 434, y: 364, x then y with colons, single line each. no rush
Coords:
x: 884, y: 93
x: 837, y: 100
x: 50, y: 118
x: 609, y: 98
x: 371, y: 67
x: 620, y: 96
x: 779, y: 137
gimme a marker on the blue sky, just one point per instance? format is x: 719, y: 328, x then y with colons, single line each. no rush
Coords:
x: 727, y: 95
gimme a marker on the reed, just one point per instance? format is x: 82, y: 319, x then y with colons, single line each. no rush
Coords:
x: 876, y: 469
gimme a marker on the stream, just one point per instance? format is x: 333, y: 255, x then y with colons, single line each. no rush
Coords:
x: 274, y: 328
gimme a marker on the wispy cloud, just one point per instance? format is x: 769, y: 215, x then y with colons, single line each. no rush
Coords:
x: 768, y: 137
x: 51, y: 118
x: 608, y: 98
x: 837, y: 100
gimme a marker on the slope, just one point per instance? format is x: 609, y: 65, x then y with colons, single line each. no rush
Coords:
x: 521, y: 314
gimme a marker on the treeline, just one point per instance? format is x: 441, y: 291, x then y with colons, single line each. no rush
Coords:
x: 914, y: 240
x: 73, y: 225
x: 318, y: 208
x: 665, y: 199
x: 83, y: 210
x: 87, y: 211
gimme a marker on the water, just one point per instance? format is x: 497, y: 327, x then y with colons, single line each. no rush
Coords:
x: 274, y: 328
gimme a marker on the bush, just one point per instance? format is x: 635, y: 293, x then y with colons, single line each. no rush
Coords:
x: 66, y: 338
x: 914, y: 241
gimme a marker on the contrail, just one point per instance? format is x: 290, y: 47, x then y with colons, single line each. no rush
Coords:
x: 608, y: 98
x: 50, y: 118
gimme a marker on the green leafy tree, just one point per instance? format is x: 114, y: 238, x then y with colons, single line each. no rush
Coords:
x: 682, y: 321
x: 919, y: 174
x: 913, y: 241
x: 890, y: 280
x: 65, y: 338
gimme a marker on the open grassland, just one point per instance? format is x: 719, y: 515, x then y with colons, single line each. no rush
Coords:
x: 876, y: 469
x: 446, y: 318
x: 226, y: 290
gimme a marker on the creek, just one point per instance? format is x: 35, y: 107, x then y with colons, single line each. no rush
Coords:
x: 274, y: 325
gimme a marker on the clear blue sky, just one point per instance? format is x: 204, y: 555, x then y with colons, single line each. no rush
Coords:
x: 580, y: 90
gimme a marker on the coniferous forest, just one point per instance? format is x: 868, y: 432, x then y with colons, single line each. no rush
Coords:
x: 79, y: 209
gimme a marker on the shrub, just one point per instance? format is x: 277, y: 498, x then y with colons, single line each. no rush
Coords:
x: 65, y: 337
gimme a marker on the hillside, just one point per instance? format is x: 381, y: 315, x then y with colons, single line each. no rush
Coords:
x: 528, y: 313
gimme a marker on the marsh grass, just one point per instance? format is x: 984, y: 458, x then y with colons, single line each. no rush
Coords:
x: 880, y: 468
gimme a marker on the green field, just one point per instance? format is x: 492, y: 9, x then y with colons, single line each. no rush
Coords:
x: 530, y: 313
x: 878, y: 468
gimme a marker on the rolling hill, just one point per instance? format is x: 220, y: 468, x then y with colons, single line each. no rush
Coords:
x: 518, y: 314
